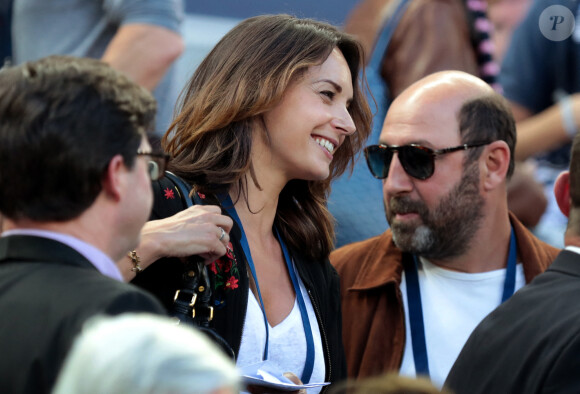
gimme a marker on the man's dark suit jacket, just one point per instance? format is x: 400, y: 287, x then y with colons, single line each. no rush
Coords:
x: 47, y: 292
x: 531, y: 343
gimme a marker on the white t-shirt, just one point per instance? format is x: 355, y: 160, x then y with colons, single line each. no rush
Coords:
x: 287, y: 342
x: 453, y: 303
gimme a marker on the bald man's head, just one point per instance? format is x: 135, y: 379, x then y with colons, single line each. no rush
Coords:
x: 444, y: 88
x: 459, y: 101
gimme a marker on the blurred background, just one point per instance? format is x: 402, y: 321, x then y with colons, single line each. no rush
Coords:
x: 208, y: 20
x: 333, y: 11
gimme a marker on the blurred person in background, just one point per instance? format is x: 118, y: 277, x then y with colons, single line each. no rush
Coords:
x: 390, y: 383
x: 141, y: 38
x: 505, y: 16
x: 540, y: 76
x: 145, y: 354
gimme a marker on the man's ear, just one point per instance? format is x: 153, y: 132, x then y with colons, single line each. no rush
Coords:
x: 562, y: 192
x: 113, y: 178
x: 497, y: 161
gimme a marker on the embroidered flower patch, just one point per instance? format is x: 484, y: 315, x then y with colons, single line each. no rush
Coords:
x: 169, y: 194
x: 226, y: 276
x: 225, y: 272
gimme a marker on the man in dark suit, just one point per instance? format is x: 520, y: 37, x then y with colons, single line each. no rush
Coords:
x: 75, y: 190
x: 531, y: 343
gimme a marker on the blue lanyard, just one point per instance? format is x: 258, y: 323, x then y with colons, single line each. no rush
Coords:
x: 309, y: 364
x: 417, y: 325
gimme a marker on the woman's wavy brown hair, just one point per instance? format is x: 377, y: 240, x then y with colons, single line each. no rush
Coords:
x: 245, y: 75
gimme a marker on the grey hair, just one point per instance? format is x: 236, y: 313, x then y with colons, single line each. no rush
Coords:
x: 144, y: 353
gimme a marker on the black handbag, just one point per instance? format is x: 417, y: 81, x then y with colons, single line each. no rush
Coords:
x: 192, y: 302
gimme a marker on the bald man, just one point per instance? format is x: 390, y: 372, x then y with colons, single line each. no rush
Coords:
x: 454, y: 252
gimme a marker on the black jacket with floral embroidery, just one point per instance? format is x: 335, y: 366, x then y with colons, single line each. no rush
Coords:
x: 230, y: 284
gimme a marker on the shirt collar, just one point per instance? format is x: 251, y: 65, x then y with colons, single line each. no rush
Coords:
x: 103, y: 263
x: 574, y: 249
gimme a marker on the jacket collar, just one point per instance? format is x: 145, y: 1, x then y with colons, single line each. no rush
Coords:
x: 535, y: 255
x: 380, y: 265
x: 383, y: 261
x: 31, y: 249
x: 567, y: 263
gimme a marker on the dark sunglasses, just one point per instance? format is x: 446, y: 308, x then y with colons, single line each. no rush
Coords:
x: 417, y: 161
x: 156, y: 165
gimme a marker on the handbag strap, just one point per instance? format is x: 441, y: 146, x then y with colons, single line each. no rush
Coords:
x: 184, y: 189
x: 193, y: 300
x: 191, y: 305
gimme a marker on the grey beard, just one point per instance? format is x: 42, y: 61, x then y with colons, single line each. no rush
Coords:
x: 448, y: 229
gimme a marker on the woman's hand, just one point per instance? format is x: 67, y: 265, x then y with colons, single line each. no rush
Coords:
x: 254, y: 389
x: 193, y: 231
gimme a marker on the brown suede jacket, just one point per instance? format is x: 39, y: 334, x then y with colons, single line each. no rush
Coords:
x: 372, y: 307
x: 432, y: 35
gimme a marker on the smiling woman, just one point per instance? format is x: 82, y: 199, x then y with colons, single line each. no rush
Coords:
x: 322, y: 97
x: 270, y: 117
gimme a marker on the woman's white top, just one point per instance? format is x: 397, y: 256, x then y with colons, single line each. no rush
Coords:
x: 287, y: 342
x: 454, y: 303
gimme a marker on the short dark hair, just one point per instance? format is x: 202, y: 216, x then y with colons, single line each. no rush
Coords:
x: 487, y: 118
x: 62, y: 120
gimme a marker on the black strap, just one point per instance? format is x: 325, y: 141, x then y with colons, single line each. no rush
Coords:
x: 192, y: 302
x: 183, y: 188
x: 417, y: 325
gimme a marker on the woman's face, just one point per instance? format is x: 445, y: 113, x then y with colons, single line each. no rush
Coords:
x: 310, y: 123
